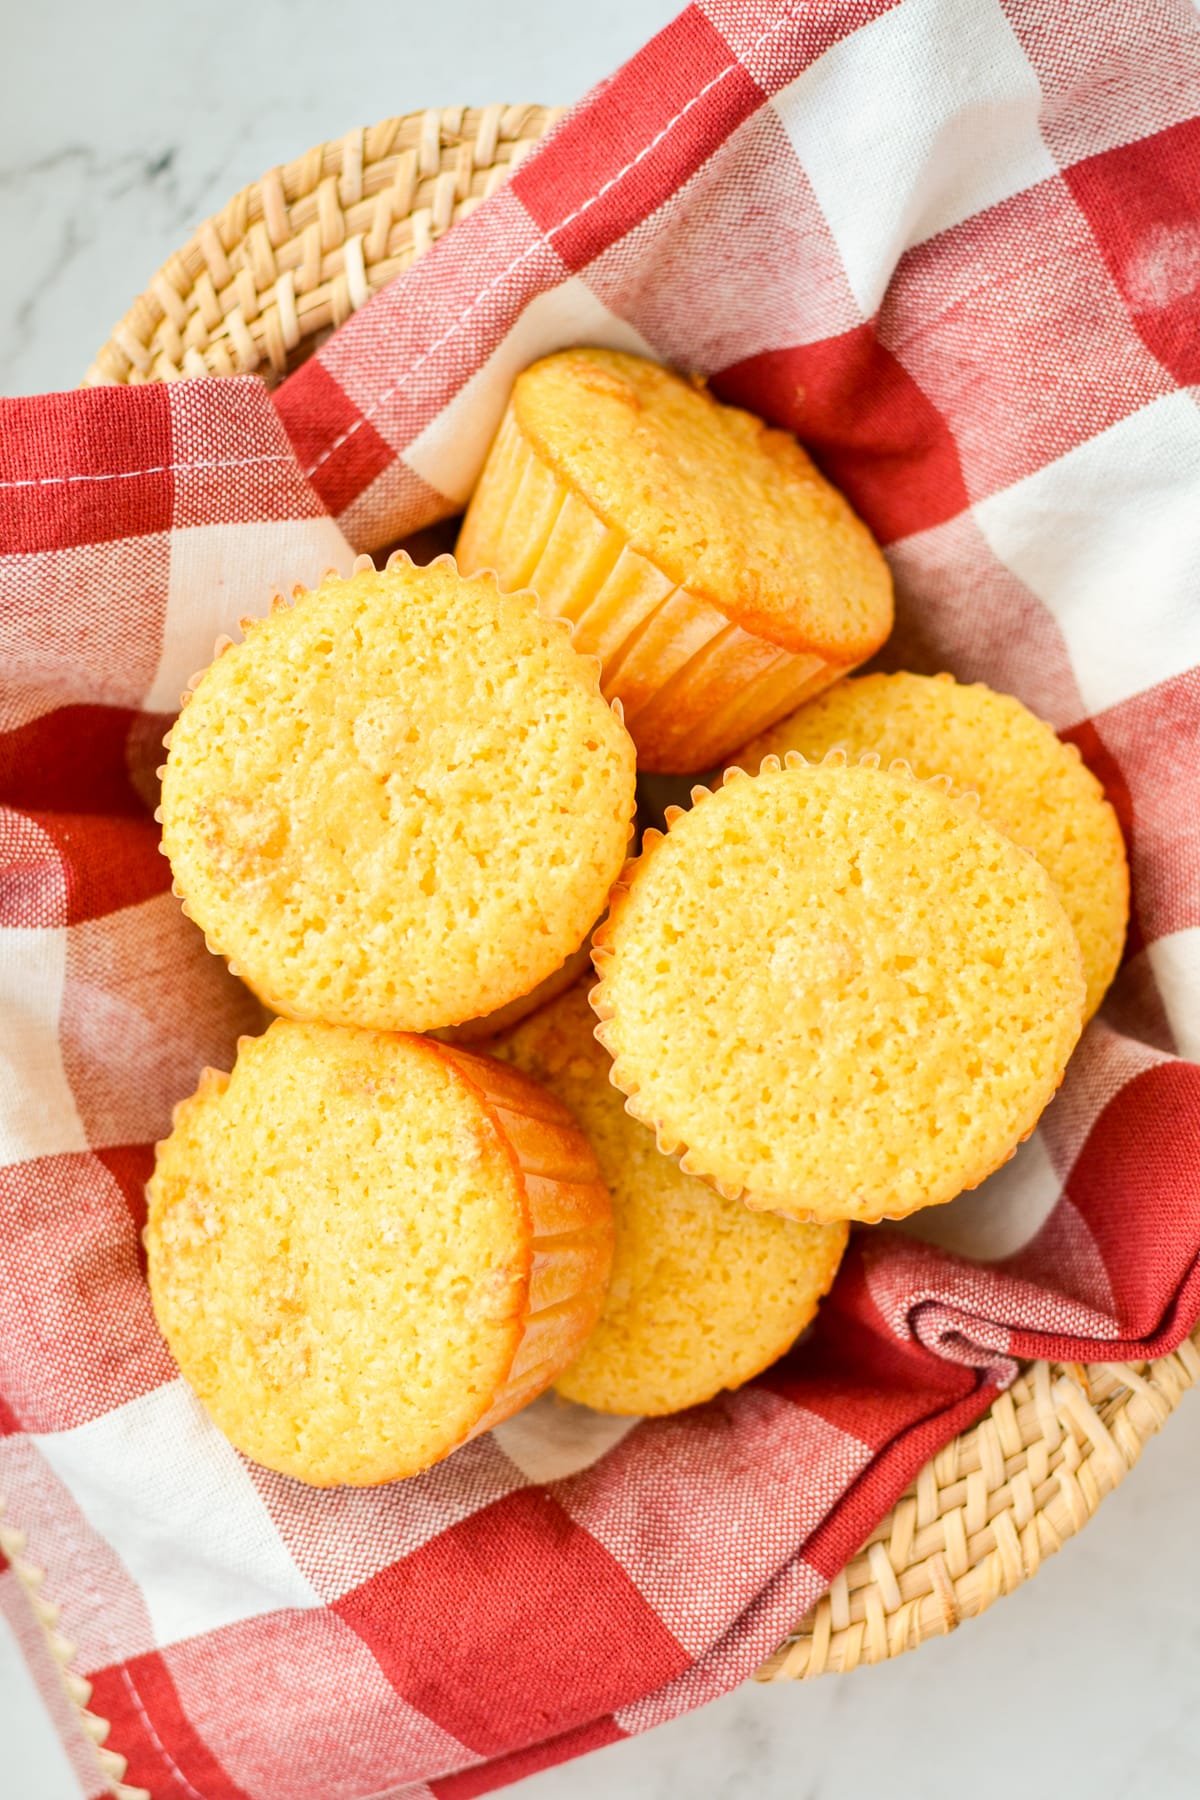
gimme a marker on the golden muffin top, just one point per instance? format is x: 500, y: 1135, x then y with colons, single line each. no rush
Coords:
x: 400, y: 802
x: 724, y: 505
x: 838, y: 990
x: 1034, y: 787
x: 704, y: 1293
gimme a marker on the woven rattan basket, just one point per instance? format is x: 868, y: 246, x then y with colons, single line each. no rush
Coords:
x: 257, y: 288
x: 264, y: 282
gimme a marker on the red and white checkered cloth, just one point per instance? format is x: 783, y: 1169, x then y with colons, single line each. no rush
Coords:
x: 957, y: 249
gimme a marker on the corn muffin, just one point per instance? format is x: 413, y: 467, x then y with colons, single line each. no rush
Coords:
x: 365, y: 1248
x: 1037, y: 789
x: 837, y: 990
x: 475, y: 1031
x: 703, y: 1293
x: 400, y: 802
x: 717, y: 576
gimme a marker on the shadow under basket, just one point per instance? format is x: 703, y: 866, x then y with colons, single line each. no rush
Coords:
x: 257, y: 289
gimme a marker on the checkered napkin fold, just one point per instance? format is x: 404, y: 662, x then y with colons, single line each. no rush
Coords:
x: 956, y: 248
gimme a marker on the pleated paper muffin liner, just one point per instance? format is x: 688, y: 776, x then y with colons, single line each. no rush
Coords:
x: 676, y: 1146
x: 693, y: 683
x: 570, y: 1220
x: 473, y: 1028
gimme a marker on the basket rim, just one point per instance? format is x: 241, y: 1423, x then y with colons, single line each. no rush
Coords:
x: 295, y: 252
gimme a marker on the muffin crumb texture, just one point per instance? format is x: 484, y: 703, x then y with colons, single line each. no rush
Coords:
x: 1037, y: 789
x: 837, y: 991
x: 399, y: 803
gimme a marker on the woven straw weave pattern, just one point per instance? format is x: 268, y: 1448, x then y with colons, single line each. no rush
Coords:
x: 258, y: 288
x: 982, y: 1517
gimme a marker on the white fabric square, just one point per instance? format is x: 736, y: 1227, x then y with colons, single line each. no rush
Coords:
x: 911, y: 124
x: 220, y: 573
x: 449, y: 453
x: 173, y: 1499
x: 999, y: 1217
x: 554, y: 1438
x: 1108, y: 537
x: 38, y: 1115
x: 1175, y: 960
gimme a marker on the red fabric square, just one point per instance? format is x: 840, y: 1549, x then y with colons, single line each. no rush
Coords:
x: 74, y: 758
x: 129, y: 1058
x: 503, y: 1592
x: 85, y: 467
x: 854, y: 1372
x: 1099, y: 758
x: 131, y: 1166
x: 874, y: 431
x: 76, y: 1329
x: 340, y: 451
x: 1104, y: 1060
x: 108, y: 863
x: 1125, y: 1171
x: 165, y: 1752
x: 1143, y: 204
x: 626, y: 150
x: 844, y: 1531
x: 1005, y: 321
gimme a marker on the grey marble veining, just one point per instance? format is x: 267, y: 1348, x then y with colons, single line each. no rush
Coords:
x: 122, y: 127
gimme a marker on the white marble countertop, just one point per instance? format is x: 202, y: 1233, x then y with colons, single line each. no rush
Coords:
x: 123, y: 126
